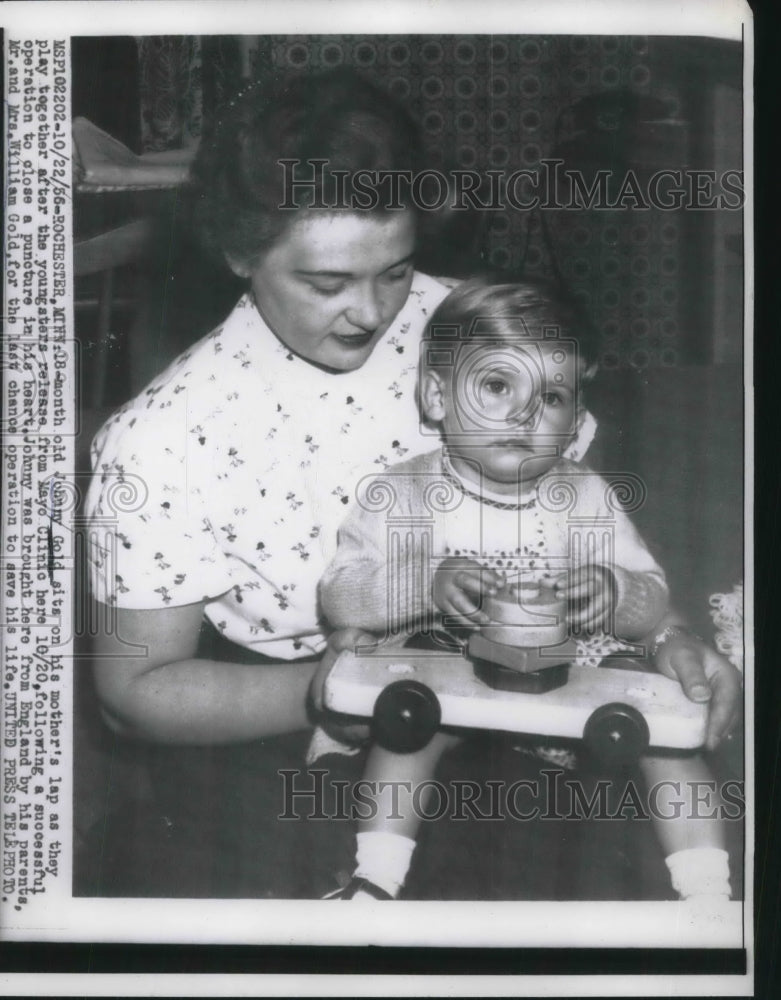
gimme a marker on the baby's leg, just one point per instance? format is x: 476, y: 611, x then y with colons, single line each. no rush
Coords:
x: 687, y: 814
x: 403, y: 773
x: 386, y: 836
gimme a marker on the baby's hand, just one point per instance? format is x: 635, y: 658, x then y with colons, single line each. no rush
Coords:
x: 459, y: 585
x: 591, y: 593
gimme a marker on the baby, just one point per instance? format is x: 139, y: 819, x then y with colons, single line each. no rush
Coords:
x: 501, y: 377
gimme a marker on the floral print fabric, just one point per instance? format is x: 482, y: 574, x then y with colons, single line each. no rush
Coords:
x: 245, y: 459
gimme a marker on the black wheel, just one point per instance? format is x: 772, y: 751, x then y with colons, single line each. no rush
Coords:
x: 616, y: 734
x: 406, y: 716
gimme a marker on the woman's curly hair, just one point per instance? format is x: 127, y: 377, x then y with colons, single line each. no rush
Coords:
x: 237, y: 180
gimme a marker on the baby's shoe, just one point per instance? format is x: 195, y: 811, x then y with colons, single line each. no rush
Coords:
x: 359, y: 888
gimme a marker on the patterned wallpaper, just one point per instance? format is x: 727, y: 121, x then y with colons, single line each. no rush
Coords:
x: 171, y: 86
x: 503, y: 103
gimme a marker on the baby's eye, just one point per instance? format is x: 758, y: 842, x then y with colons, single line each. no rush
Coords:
x: 495, y: 386
x: 551, y: 399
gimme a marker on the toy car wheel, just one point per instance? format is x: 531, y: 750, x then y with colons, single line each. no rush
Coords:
x: 406, y: 716
x: 616, y: 734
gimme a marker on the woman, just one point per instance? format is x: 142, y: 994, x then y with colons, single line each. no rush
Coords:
x: 246, y: 450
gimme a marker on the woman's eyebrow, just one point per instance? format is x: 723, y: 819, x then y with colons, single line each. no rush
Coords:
x: 324, y: 273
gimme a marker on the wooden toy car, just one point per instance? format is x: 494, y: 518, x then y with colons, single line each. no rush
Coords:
x: 409, y: 693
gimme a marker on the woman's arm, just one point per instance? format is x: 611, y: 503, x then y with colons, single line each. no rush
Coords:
x: 169, y: 696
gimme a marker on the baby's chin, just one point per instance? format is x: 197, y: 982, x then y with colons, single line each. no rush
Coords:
x: 526, y: 476
x: 501, y: 473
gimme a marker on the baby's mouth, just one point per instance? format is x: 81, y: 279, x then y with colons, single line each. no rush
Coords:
x: 521, y: 443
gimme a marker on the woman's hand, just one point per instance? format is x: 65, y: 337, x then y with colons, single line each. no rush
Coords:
x: 459, y: 587
x: 341, y: 727
x: 591, y: 595
x: 704, y: 675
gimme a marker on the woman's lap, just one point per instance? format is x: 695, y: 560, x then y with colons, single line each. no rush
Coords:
x: 207, y: 823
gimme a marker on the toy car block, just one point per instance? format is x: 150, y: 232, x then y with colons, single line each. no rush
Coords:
x: 523, y: 659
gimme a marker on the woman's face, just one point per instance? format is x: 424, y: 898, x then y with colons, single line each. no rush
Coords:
x: 333, y: 283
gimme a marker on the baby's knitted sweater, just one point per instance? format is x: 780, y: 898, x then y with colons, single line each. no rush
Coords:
x: 419, y: 512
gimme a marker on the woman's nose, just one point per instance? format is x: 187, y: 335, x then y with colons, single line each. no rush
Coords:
x: 365, y: 311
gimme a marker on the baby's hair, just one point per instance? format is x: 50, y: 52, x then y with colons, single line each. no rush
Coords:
x: 478, y: 312
x: 237, y: 180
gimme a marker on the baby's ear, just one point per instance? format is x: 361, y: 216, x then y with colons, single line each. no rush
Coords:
x: 432, y: 399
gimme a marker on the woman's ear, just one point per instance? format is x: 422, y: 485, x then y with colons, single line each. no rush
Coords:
x: 432, y: 400
x: 590, y: 373
x: 239, y: 267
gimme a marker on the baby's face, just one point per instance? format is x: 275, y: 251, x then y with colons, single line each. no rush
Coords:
x: 511, y: 411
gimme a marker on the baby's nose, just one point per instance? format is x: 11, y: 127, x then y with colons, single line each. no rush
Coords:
x: 524, y: 415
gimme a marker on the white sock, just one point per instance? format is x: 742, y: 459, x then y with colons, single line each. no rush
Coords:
x: 700, y: 871
x: 384, y: 858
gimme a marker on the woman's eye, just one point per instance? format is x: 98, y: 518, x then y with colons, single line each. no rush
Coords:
x: 551, y: 399
x: 399, y: 273
x: 327, y: 287
x: 496, y: 386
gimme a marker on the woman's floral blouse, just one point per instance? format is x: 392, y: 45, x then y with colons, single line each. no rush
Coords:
x: 227, y: 478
